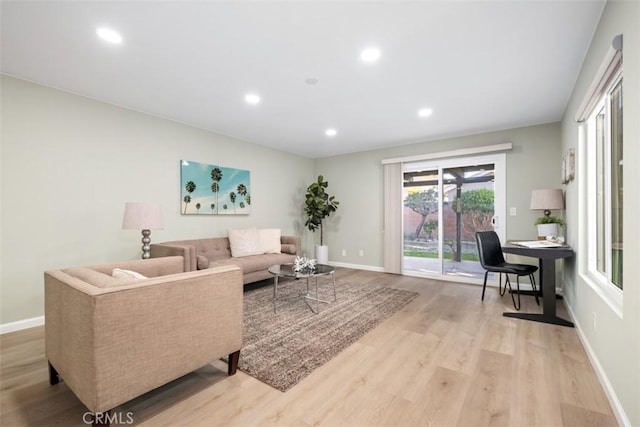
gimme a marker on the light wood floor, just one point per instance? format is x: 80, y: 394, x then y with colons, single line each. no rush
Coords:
x: 446, y: 359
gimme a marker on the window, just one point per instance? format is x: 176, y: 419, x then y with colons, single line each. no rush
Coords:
x: 603, y: 147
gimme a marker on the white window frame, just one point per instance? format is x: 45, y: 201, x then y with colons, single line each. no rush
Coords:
x: 601, y: 283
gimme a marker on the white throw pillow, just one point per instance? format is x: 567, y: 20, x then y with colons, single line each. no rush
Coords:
x: 270, y: 240
x: 244, y: 242
x: 119, y: 273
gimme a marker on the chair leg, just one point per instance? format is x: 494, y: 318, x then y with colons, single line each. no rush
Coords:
x: 508, y: 282
x: 234, y: 358
x: 484, y: 285
x: 535, y: 290
x: 502, y: 291
x: 54, y: 377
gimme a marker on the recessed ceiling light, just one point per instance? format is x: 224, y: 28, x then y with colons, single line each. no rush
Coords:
x: 109, y: 35
x: 371, y: 54
x: 331, y: 132
x: 252, y: 98
x: 425, y: 112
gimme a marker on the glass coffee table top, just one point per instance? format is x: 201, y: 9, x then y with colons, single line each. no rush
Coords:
x: 286, y: 271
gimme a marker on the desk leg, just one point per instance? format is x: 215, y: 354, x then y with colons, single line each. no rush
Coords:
x: 548, y: 286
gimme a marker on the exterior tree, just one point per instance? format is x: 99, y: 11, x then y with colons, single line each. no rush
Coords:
x: 216, y: 176
x: 241, y: 204
x: 477, y: 210
x: 247, y: 199
x: 190, y: 186
x: 224, y: 206
x: 198, y: 206
x: 213, y: 206
x: 423, y: 203
x: 429, y: 227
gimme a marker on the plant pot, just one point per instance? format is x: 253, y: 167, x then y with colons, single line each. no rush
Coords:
x: 545, y: 230
x: 322, y: 254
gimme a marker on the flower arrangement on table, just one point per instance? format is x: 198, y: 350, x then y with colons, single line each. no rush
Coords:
x: 302, y: 264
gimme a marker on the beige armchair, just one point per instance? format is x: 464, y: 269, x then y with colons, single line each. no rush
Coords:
x: 113, y: 339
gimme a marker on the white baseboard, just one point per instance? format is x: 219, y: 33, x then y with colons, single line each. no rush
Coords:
x: 21, y: 324
x: 618, y: 410
x: 357, y: 266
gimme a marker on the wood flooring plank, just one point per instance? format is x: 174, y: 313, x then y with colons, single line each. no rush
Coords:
x: 487, y: 402
x: 447, y: 358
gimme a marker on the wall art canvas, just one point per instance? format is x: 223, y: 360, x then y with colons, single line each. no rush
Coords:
x: 214, y: 190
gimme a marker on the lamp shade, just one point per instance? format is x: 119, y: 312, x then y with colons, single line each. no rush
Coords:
x: 547, y: 199
x: 142, y: 216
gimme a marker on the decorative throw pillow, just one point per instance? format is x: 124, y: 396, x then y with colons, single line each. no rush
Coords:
x: 203, y: 262
x: 270, y: 240
x: 119, y: 273
x: 244, y: 242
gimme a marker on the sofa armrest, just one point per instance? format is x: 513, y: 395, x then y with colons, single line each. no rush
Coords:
x: 188, y: 252
x: 292, y: 240
x: 101, y: 339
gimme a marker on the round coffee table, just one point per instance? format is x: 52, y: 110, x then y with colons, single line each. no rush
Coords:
x: 286, y: 270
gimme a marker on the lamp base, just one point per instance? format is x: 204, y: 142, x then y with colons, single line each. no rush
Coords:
x: 146, y: 244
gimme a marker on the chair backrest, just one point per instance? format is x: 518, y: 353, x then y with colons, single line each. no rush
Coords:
x: 489, y: 248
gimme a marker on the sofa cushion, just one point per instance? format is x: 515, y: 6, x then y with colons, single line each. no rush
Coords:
x: 244, y: 242
x: 96, y: 278
x: 288, y: 249
x: 203, y: 262
x: 250, y: 264
x: 270, y: 240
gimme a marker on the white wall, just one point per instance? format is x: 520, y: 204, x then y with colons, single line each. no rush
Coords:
x: 69, y: 164
x: 615, y: 341
x: 356, y: 181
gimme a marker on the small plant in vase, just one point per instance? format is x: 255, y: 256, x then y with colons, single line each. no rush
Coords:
x: 548, y: 226
x: 317, y: 206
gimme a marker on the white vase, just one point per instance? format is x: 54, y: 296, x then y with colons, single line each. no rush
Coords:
x: 545, y: 230
x: 322, y: 254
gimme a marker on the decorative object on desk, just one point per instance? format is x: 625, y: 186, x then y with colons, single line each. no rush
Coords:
x: 145, y: 217
x: 302, y: 264
x: 318, y: 206
x: 547, y: 200
x: 214, y: 190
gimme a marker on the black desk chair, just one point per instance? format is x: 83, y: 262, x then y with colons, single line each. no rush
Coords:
x: 492, y: 260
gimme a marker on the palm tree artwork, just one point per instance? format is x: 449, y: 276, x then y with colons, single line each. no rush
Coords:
x: 232, y: 197
x: 190, y: 186
x: 214, y: 190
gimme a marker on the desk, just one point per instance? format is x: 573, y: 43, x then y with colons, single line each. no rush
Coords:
x: 547, y: 260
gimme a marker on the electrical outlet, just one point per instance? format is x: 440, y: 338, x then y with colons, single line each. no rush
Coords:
x: 513, y: 211
x: 361, y: 252
x: 344, y: 252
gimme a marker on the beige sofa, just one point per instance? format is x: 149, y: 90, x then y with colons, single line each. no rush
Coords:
x: 113, y: 339
x: 213, y: 252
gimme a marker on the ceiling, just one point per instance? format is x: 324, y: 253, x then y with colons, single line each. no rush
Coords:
x: 479, y: 65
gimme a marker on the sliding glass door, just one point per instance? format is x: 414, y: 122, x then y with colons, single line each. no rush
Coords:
x: 444, y: 203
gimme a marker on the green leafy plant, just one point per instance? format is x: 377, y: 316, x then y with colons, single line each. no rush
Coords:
x: 549, y: 220
x: 318, y: 205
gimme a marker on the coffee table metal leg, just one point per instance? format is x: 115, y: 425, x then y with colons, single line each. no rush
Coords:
x: 275, y: 292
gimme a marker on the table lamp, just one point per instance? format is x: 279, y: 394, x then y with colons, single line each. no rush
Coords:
x: 546, y: 200
x: 145, y: 217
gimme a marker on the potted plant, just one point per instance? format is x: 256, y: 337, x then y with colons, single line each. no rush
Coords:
x: 548, y: 226
x: 318, y: 206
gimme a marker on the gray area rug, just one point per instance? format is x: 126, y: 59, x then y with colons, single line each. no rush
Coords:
x: 282, y: 348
